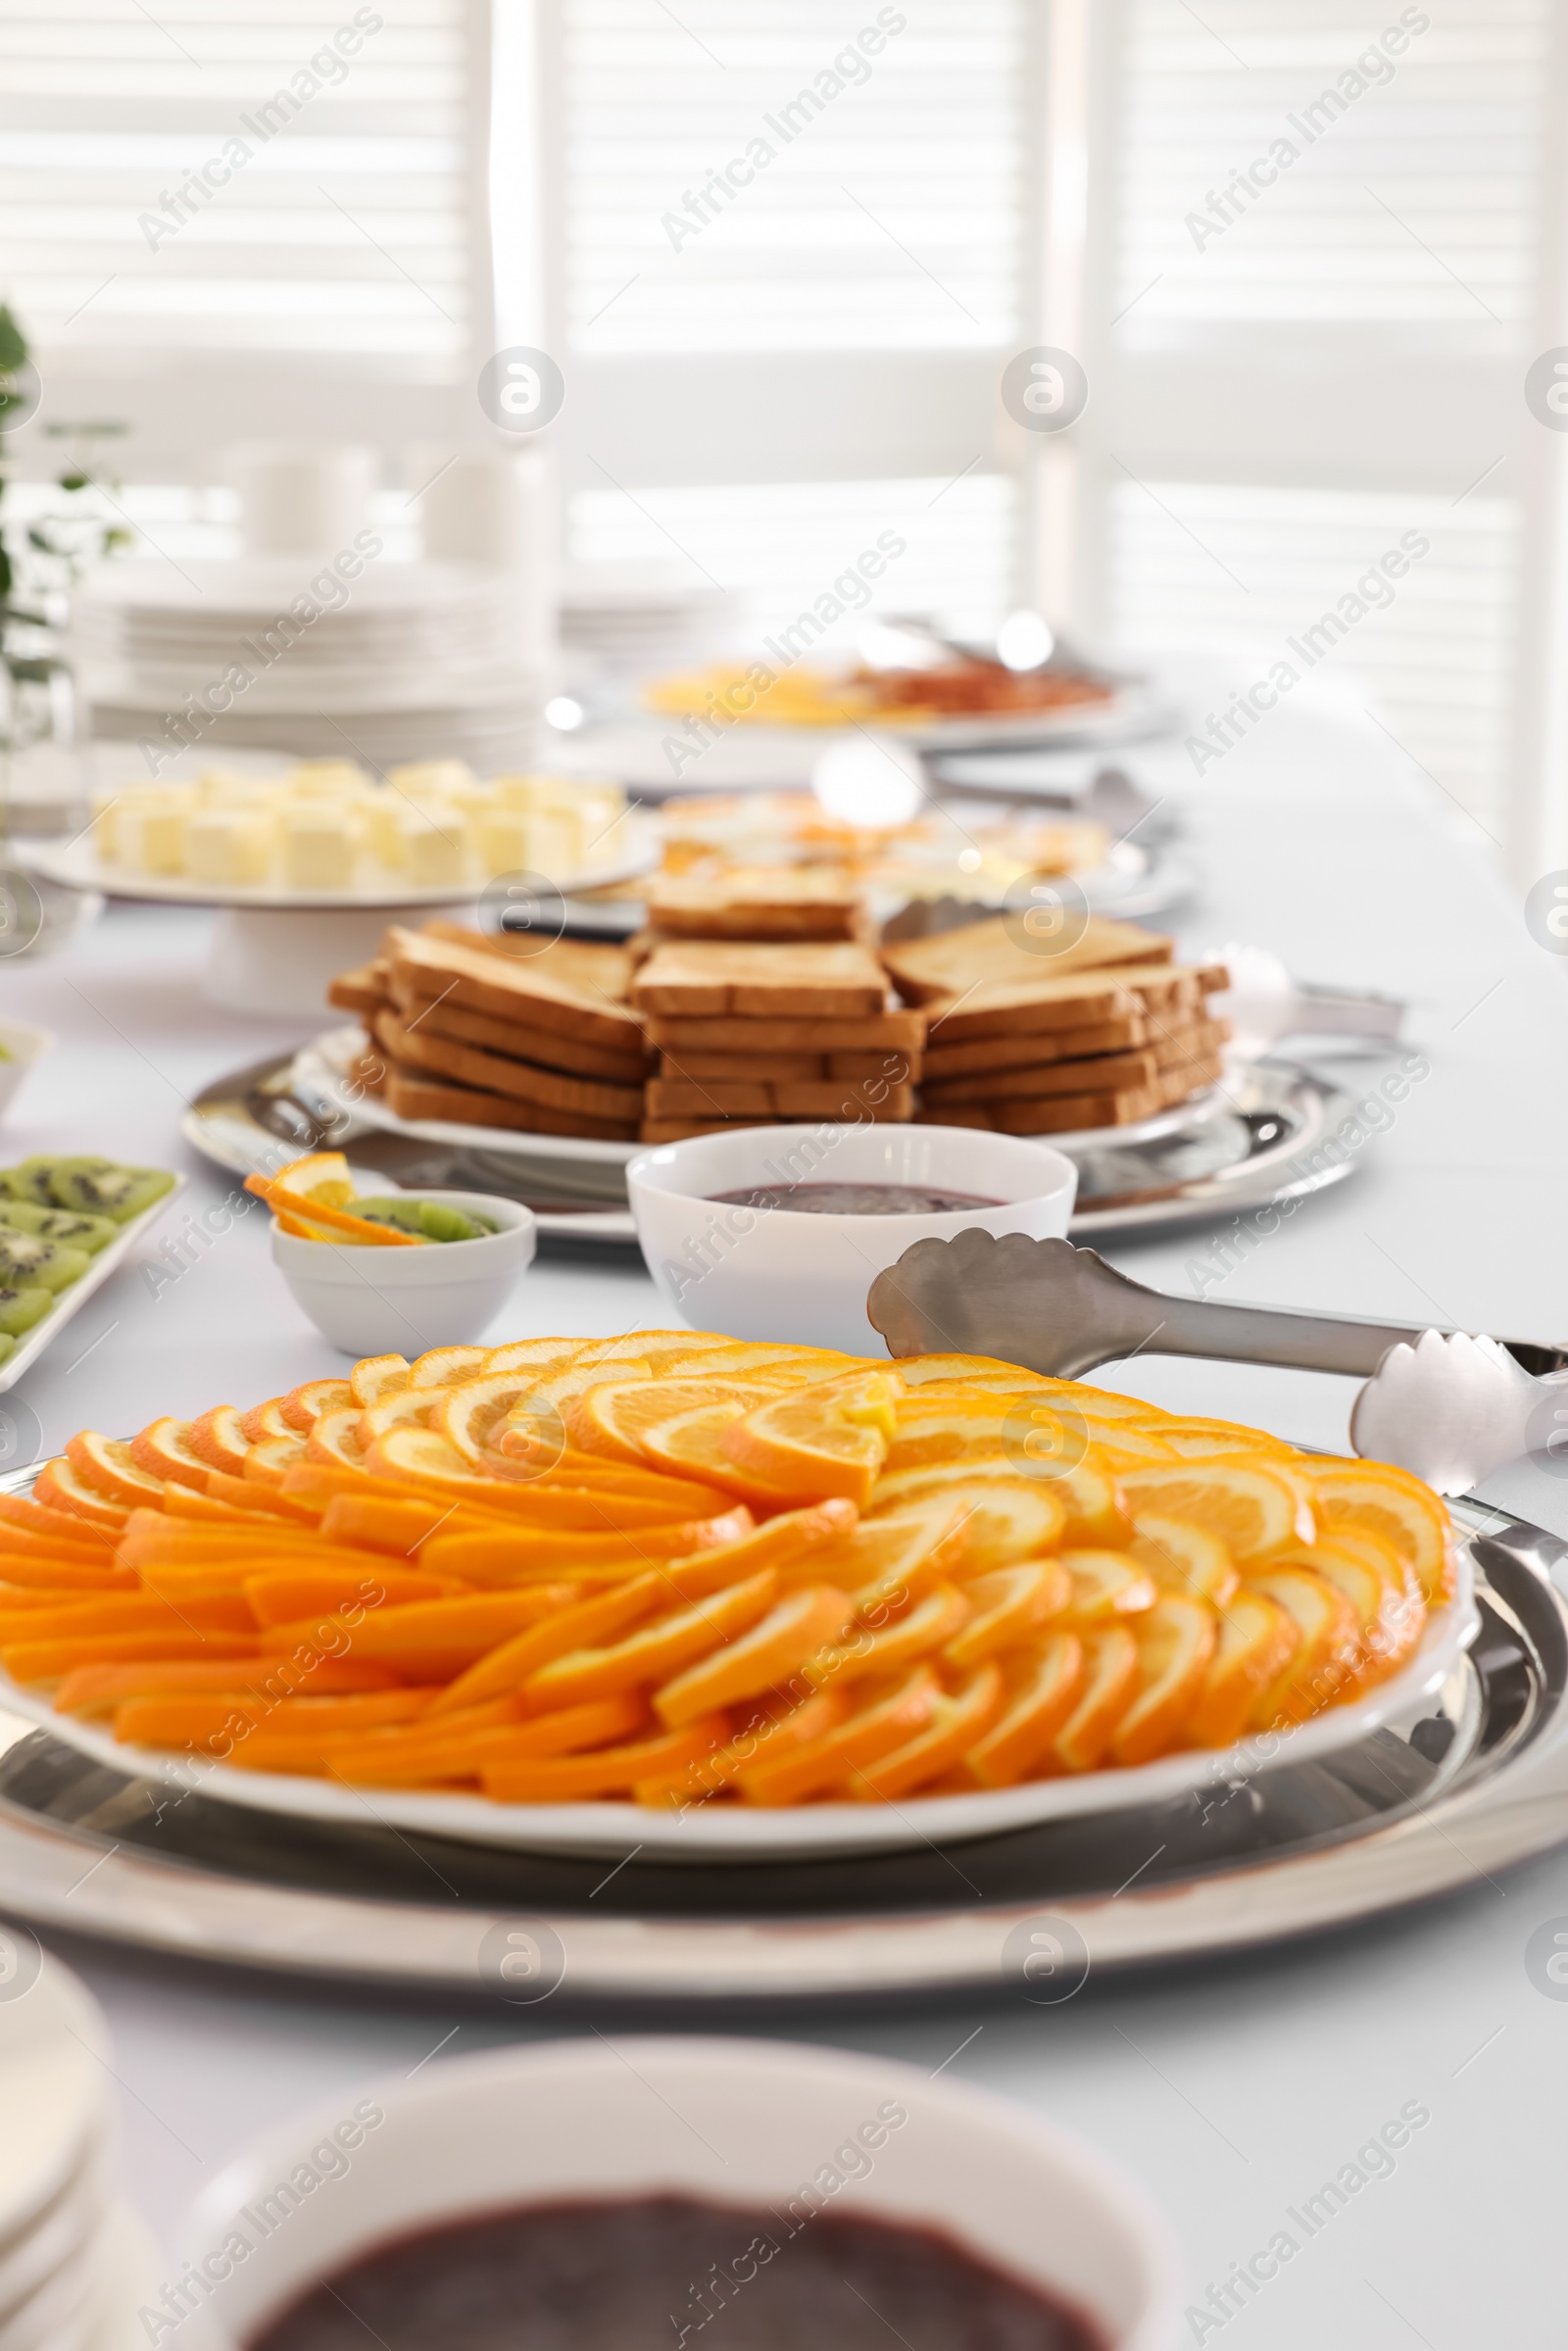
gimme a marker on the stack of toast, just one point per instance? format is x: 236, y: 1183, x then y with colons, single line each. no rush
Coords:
x: 752, y: 1035
x: 1102, y: 1034
x: 491, y: 1032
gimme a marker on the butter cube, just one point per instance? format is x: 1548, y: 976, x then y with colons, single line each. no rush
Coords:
x: 318, y: 851
x: 506, y: 842
x: 228, y: 846
x: 326, y: 778
x: 436, y: 846
x: 151, y: 837
x: 421, y: 778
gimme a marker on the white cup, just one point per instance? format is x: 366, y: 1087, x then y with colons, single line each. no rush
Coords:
x: 780, y: 1273
x: 388, y: 1301
x: 756, y: 2126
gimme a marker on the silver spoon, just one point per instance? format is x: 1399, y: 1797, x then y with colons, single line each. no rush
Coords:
x: 1448, y: 1407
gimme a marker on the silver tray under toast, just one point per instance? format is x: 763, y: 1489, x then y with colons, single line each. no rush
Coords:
x: 1268, y: 1133
x: 1472, y: 1782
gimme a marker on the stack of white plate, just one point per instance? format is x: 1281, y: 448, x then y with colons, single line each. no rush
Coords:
x: 621, y: 622
x: 74, y: 2267
x: 406, y: 661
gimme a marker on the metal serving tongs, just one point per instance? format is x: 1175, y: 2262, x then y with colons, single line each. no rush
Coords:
x: 1450, y: 1407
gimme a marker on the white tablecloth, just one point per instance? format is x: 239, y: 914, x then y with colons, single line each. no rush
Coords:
x: 1234, y: 2091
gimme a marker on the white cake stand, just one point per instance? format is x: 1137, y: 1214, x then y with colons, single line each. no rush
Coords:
x: 273, y: 951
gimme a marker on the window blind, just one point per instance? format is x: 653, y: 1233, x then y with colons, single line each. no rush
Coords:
x: 281, y: 178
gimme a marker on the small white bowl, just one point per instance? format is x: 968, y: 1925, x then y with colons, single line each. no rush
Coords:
x: 25, y: 1047
x: 383, y: 1301
x: 745, y: 2124
x: 783, y: 1274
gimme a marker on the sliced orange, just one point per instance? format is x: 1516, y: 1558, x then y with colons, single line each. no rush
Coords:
x: 405, y: 1407
x: 1110, y: 1682
x: 219, y: 1439
x: 270, y: 1462
x: 334, y: 1438
x: 1175, y: 1639
x: 609, y: 1771
x: 654, y: 1653
x: 1106, y: 1588
x: 887, y: 1562
x: 537, y: 1355
x: 690, y: 1444
x: 885, y: 1720
x: 960, y: 1720
x: 797, y: 1629
x: 441, y: 1365
x: 966, y: 1373
x: 747, y: 1358
x: 303, y: 1405
x: 612, y: 1418
x: 1396, y: 1507
x: 1009, y: 1605
x: 1389, y: 1612
x: 1097, y: 1513
x: 1254, y: 1507
x: 320, y: 1176
x: 60, y: 1486
x: 1184, y: 1557
x: 1323, y: 1668
x: 377, y: 1377
x: 422, y: 1454
x: 828, y: 1439
x: 949, y: 1427
x: 267, y: 1420
x: 1040, y: 1688
x: 918, y: 1633
x: 162, y: 1451
x: 1258, y: 1639
x: 1199, y: 1439
x: 582, y: 1623
x: 108, y: 1464
x: 762, y: 1732
x: 1006, y: 1517
x: 466, y: 1413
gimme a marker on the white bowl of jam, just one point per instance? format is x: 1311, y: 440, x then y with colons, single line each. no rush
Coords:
x: 779, y: 1232
x: 649, y: 2191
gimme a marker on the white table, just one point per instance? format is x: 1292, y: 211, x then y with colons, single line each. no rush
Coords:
x: 1233, y: 2093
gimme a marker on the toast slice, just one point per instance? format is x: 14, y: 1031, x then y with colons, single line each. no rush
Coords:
x: 995, y: 952
x: 765, y: 902
x: 526, y: 990
x: 410, y: 1094
x: 493, y: 1073
x: 890, y: 1032
x: 436, y: 1016
x: 704, y: 978
x: 601, y: 969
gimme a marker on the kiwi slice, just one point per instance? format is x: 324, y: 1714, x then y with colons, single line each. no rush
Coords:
x: 26, y: 1258
x: 19, y: 1310
x: 432, y: 1219
x: 35, y: 1179
x: 91, y: 1233
x: 100, y: 1188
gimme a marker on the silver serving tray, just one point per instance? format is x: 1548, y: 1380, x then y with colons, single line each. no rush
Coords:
x: 1264, y: 1136
x: 1476, y: 1782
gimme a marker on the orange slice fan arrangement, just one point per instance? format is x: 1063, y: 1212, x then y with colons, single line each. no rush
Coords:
x: 678, y: 1569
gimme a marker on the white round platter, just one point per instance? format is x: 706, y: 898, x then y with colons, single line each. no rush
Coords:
x: 722, y: 1831
x: 79, y: 866
x: 322, y: 1068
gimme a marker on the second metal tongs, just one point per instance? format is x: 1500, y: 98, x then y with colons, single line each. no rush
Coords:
x: 1450, y: 1406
